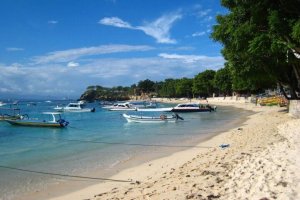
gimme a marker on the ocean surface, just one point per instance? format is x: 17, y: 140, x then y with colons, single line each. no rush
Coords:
x: 94, y: 144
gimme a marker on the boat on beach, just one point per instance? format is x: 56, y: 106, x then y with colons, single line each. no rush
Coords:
x: 147, y: 119
x: 74, y: 107
x: 55, y: 122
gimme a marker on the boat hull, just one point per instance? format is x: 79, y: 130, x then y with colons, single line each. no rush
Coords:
x: 122, y: 109
x: 190, y: 110
x: 35, y: 124
x: 143, y: 119
x: 3, y: 117
x: 155, y: 109
x: 74, y: 110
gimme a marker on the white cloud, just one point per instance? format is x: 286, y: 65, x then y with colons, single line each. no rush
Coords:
x: 197, y: 34
x: 52, y: 22
x: 14, y: 49
x: 194, y: 58
x: 158, y: 29
x: 72, y: 54
x: 209, y: 18
x: 73, y: 64
x: 115, y: 21
x: 57, y: 79
x: 202, y: 13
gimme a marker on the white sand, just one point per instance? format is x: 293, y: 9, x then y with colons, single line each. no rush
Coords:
x: 261, y: 162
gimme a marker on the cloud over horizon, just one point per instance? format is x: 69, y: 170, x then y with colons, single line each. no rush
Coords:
x: 58, y: 79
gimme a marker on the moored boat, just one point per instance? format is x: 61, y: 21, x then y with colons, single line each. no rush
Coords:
x: 74, y: 107
x: 147, y: 119
x: 9, y: 113
x: 121, y: 107
x: 193, y: 107
x: 56, y: 122
x: 155, y: 109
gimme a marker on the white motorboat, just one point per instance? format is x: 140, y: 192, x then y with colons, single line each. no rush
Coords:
x: 2, y: 104
x: 155, y: 109
x: 121, y: 107
x: 143, y: 104
x: 146, y: 119
x: 193, y: 107
x: 82, y: 103
x: 74, y: 107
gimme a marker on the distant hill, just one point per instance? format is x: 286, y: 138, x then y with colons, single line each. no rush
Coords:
x: 105, y: 94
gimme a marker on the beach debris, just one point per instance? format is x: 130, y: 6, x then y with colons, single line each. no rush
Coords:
x: 240, y: 129
x: 223, y: 146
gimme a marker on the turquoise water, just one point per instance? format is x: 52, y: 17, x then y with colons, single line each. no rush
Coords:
x: 100, y: 141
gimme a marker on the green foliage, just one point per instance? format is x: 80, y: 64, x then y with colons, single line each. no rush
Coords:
x: 168, y: 88
x: 260, y: 38
x: 223, y: 81
x: 183, y: 87
x: 203, y: 84
x: 146, y: 86
x: 101, y: 93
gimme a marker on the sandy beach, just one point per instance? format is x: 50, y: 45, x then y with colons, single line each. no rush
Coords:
x: 260, y: 162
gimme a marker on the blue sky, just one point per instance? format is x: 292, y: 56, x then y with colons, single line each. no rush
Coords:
x: 56, y: 48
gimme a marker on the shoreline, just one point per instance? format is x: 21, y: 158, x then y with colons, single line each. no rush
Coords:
x: 199, y: 173
x: 64, y: 187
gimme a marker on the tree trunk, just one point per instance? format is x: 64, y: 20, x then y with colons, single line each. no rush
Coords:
x: 297, y: 74
x: 283, y: 92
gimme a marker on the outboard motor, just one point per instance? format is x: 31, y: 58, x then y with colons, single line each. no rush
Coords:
x: 93, y: 110
x: 177, y: 116
x: 63, y: 122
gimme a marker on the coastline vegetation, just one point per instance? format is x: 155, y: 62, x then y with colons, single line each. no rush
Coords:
x: 261, y: 46
x: 204, y: 84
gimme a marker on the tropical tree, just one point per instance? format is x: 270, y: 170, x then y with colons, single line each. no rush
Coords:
x: 223, y: 80
x: 146, y: 86
x: 261, y: 40
x: 203, y: 83
x: 184, y: 87
x: 168, y: 88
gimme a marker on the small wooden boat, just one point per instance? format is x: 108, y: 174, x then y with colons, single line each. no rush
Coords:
x: 56, y: 122
x: 147, y: 119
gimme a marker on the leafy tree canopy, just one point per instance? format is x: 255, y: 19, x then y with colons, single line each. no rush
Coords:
x: 261, y: 41
x: 203, y: 84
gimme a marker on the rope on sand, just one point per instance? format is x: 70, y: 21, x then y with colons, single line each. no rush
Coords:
x: 65, y: 175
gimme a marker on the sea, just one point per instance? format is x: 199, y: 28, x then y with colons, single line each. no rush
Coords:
x: 95, y: 144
